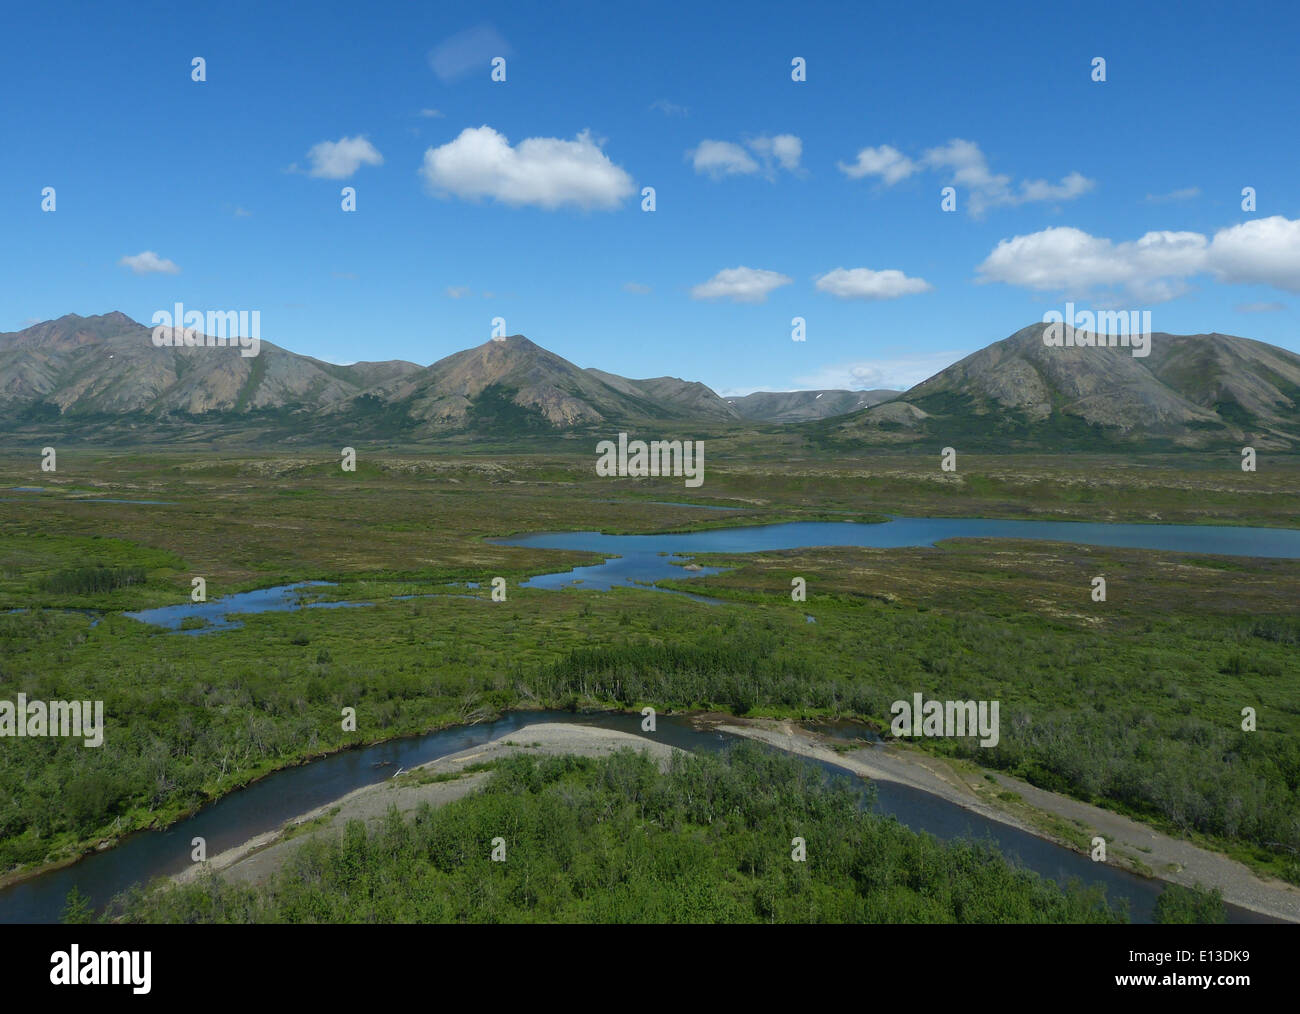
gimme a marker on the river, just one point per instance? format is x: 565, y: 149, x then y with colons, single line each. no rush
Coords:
x: 268, y: 803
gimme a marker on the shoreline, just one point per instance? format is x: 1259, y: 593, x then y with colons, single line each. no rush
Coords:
x: 1159, y: 857
x: 93, y: 848
x: 257, y: 857
x: 893, y: 762
x: 923, y: 772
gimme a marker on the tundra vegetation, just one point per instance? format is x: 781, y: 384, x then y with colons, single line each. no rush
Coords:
x: 1134, y: 704
x: 616, y: 840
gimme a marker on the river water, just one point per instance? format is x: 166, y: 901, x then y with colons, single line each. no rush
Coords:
x: 268, y: 803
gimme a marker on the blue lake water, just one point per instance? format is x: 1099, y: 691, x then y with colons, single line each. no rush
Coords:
x: 217, y: 613
x: 642, y: 560
x: 900, y: 532
x: 648, y: 558
x: 282, y: 598
x: 630, y: 570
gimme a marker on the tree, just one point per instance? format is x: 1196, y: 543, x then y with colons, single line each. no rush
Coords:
x: 77, y: 909
x: 1178, y: 904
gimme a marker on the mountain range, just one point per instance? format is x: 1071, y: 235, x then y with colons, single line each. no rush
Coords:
x: 76, y: 374
x: 1189, y: 391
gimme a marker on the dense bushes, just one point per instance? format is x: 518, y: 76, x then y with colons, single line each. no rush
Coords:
x: 1178, y: 904
x: 1076, y: 711
x: 92, y: 580
x: 617, y: 840
x: 736, y: 674
x: 1148, y: 724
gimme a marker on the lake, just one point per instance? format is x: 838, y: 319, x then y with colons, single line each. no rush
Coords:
x: 636, y: 559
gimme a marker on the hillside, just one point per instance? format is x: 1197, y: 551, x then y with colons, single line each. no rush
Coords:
x: 76, y: 374
x: 1191, y: 391
x: 108, y: 365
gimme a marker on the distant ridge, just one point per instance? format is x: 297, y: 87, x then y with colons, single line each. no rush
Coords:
x: 1190, y: 391
x: 108, y: 365
x: 102, y: 378
x: 88, y: 368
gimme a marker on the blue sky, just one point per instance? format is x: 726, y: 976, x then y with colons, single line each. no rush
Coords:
x: 522, y: 199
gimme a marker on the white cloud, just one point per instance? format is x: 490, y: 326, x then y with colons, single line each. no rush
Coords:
x: 966, y: 167
x: 149, y: 263
x: 722, y: 158
x: 466, y: 52
x: 547, y: 172
x: 726, y: 158
x: 1072, y: 185
x: 962, y: 164
x: 1263, y: 251
x: 1260, y: 307
x: 1155, y: 267
x: 888, y: 163
x: 457, y: 291
x: 784, y: 149
x: 1070, y: 260
x: 337, y: 160
x: 431, y: 114
x: 636, y: 288
x: 740, y: 285
x: 863, y: 283
x: 243, y: 213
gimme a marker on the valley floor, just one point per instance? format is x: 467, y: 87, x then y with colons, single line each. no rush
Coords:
x: 1126, y: 712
